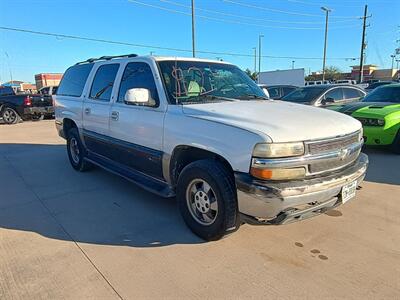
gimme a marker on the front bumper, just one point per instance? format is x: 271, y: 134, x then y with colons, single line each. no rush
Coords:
x: 45, y: 110
x: 283, y: 202
x: 379, y: 135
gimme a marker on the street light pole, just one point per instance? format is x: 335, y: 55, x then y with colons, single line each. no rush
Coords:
x: 255, y: 59
x: 392, y: 56
x: 293, y: 64
x: 259, y: 56
x: 327, y: 11
x: 193, y: 31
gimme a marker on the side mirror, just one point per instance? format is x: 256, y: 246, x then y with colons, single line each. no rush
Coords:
x: 139, y: 96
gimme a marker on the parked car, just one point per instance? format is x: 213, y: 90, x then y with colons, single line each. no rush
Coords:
x: 278, y: 91
x: 16, y: 107
x: 374, y: 85
x: 317, y: 82
x: 203, y: 131
x: 379, y: 112
x: 345, y: 81
x: 46, y: 95
x: 325, y: 95
x: 48, y: 90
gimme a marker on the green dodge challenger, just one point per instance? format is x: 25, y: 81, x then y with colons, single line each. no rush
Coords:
x: 379, y: 113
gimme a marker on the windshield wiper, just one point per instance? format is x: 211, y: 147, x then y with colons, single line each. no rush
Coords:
x: 253, y: 96
x: 205, y: 98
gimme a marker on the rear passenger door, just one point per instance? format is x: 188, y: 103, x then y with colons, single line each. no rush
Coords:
x: 137, y: 130
x: 96, y: 107
x: 351, y: 94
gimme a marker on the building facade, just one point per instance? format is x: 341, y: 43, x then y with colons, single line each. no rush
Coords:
x: 47, y: 79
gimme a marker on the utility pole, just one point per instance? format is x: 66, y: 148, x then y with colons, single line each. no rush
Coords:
x: 193, y: 31
x: 363, y: 44
x: 393, y: 57
x: 327, y: 11
x: 397, y: 62
x: 259, y: 56
x: 255, y: 59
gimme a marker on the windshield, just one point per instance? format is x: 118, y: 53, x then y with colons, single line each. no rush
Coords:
x: 384, y: 94
x: 305, y: 94
x: 191, y: 82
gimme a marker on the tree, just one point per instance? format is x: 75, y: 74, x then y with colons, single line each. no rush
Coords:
x: 333, y: 73
x: 252, y: 75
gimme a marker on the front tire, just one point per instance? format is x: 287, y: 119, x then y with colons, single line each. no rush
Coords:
x: 76, y: 151
x: 395, y: 147
x: 10, y: 116
x: 207, y: 199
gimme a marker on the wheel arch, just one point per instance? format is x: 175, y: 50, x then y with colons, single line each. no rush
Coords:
x: 183, y: 155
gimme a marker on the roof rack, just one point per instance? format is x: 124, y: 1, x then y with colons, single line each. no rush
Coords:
x: 90, y: 60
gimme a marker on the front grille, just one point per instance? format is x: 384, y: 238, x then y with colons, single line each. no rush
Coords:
x: 332, y: 165
x: 342, y: 145
x: 332, y: 145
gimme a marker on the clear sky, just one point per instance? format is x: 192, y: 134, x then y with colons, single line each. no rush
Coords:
x: 221, y: 26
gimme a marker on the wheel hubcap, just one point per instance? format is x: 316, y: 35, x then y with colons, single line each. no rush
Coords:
x: 74, y: 150
x: 202, y: 202
x: 9, y: 116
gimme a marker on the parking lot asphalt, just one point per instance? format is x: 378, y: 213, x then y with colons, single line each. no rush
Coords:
x: 70, y: 235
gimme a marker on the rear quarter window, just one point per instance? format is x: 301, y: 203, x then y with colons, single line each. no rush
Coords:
x: 74, y: 80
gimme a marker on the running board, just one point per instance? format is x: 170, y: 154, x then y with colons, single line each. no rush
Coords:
x: 151, y: 184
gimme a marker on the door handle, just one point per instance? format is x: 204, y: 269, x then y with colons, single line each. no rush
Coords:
x: 87, y: 110
x: 115, y: 115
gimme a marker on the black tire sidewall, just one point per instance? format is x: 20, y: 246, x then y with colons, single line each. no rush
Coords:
x: 395, y: 147
x: 17, y: 118
x: 208, y: 170
x: 73, y: 133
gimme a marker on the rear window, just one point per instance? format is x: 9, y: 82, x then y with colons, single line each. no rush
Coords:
x: 74, y: 80
x: 6, y: 91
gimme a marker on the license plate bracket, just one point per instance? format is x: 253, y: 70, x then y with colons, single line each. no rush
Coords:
x: 349, y: 191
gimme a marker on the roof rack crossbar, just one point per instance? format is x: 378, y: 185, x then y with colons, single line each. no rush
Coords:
x: 109, y: 57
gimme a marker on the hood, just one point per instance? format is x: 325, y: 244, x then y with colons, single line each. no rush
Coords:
x: 379, y: 109
x: 278, y: 120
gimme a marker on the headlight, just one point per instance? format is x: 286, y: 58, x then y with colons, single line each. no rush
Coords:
x: 278, y: 150
x: 372, y: 122
x: 278, y: 174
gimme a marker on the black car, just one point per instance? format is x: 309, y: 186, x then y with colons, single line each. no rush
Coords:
x: 278, y: 91
x: 325, y: 95
x: 374, y: 85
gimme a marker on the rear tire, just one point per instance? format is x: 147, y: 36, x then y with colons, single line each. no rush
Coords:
x: 76, y: 151
x: 207, y: 199
x: 395, y: 147
x: 10, y: 116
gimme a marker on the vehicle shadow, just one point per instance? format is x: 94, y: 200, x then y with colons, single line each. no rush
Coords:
x: 384, y: 166
x: 41, y: 193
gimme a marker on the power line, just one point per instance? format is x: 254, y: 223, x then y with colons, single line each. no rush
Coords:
x: 283, y: 11
x: 233, y: 21
x: 250, y: 18
x: 75, y: 37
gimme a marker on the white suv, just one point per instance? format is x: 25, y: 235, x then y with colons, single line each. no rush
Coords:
x: 204, y: 132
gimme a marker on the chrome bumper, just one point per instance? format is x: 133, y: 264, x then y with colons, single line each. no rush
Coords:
x: 282, y: 202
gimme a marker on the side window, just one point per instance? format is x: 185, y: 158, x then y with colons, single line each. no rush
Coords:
x: 45, y: 91
x: 103, y: 82
x: 287, y: 90
x: 74, y: 80
x: 137, y: 75
x: 335, y: 94
x: 273, y: 93
x: 351, y: 93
